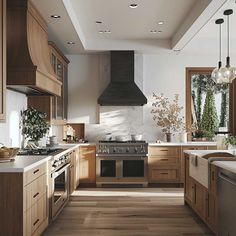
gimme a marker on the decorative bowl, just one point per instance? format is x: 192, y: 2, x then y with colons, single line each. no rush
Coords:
x: 8, y: 152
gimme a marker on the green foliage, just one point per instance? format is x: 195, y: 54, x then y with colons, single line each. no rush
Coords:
x: 33, y: 124
x: 209, y: 121
x: 231, y: 140
x: 223, y: 110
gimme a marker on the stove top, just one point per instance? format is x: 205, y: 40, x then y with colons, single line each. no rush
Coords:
x: 114, y: 141
x: 40, y: 151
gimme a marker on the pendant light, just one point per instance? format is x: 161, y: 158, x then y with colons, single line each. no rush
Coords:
x: 216, y: 74
x: 228, y: 72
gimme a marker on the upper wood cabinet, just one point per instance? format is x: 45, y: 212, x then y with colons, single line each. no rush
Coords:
x: 3, y: 59
x: 54, y: 106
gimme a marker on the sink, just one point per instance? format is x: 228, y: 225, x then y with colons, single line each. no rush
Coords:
x: 199, y: 165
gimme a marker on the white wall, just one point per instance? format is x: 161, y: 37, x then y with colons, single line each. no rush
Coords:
x: 10, y: 131
x: 89, y: 75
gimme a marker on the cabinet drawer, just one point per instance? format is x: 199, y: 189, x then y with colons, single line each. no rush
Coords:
x: 160, y: 161
x: 34, y: 173
x: 163, y: 151
x: 34, y: 191
x: 35, y: 216
x: 164, y: 174
x: 88, y: 150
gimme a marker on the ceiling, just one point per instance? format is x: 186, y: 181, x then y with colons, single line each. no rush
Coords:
x: 187, y: 25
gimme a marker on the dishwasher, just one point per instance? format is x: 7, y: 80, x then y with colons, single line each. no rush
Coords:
x: 227, y: 203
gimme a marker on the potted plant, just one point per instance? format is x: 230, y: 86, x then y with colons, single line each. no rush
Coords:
x: 167, y: 114
x: 231, y: 142
x: 34, y: 126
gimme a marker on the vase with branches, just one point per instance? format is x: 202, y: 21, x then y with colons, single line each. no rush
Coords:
x: 167, y: 114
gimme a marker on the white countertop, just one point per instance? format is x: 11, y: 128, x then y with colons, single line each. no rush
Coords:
x: 25, y: 163
x: 204, y: 152
x: 227, y: 165
x: 184, y: 144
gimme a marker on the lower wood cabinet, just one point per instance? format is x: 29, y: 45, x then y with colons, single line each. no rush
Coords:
x: 202, y: 200
x: 87, y: 163
x: 74, y: 170
x: 166, y: 163
x: 23, y: 202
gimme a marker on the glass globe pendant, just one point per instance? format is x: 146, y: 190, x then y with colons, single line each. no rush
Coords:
x: 216, y: 74
x: 228, y: 72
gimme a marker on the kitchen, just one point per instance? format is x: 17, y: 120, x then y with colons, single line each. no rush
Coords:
x: 108, y: 168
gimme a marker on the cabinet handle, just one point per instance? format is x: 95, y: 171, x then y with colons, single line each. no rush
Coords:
x: 36, y: 171
x: 36, y: 194
x: 164, y: 159
x: 36, y: 222
x: 164, y: 173
x: 164, y: 150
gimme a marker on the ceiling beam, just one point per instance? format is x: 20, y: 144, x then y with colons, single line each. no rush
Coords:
x: 197, y: 18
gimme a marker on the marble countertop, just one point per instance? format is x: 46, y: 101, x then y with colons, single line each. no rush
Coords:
x: 227, y: 165
x: 25, y: 163
x: 204, y: 152
x: 184, y: 144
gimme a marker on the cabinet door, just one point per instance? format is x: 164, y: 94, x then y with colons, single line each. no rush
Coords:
x: 212, y: 211
x: 189, y: 187
x: 3, y: 60
x: 200, y: 200
x: 88, y: 164
x: 65, y: 93
x: 77, y: 167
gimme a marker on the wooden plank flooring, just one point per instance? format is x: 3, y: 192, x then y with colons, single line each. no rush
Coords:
x: 127, y: 212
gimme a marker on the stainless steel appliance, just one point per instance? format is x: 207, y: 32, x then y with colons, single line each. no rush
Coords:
x: 39, y: 151
x: 121, y: 163
x: 227, y: 203
x: 60, y: 183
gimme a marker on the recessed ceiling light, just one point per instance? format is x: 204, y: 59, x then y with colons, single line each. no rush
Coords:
x: 160, y: 22
x: 133, y: 5
x: 98, y: 22
x: 70, y: 42
x: 100, y: 31
x: 153, y: 31
x: 159, y: 31
x: 107, y: 31
x: 56, y: 16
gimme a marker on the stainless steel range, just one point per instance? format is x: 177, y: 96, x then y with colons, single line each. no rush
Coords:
x: 121, y: 163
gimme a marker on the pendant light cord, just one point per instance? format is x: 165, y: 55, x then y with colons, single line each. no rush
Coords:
x: 228, y: 35
x: 220, y: 43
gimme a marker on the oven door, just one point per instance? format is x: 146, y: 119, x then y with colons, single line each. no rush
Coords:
x: 134, y: 168
x: 107, y: 169
x: 60, y: 189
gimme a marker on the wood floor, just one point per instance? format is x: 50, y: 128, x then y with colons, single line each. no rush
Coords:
x: 127, y: 212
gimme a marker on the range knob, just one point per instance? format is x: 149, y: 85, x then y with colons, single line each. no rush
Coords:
x: 54, y: 164
x: 114, y: 149
x: 127, y: 149
x: 135, y: 149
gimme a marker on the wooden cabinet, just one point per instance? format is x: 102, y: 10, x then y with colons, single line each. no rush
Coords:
x: 74, y: 170
x: 54, y: 106
x: 163, y: 164
x: 87, y: 165
x: 3, y: 60
x: 202, y: 200
x: 60, y: 66
x: 23, y: 202
x: 189, y: 191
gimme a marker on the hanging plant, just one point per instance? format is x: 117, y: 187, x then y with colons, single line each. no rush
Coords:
x: 34, y: 125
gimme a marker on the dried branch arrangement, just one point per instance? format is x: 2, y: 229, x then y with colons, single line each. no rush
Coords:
x: 167, y: 114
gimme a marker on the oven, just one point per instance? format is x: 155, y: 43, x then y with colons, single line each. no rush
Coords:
x: 121, y: 170
x: 60, y: 189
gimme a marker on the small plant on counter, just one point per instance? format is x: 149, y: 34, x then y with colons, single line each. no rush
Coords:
x: 167, y: 114
x: 33, y: 124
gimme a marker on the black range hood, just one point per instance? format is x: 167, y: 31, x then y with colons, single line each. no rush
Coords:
x: 122, y: 90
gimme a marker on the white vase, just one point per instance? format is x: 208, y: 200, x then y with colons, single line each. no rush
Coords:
x: 183, y: 137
